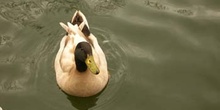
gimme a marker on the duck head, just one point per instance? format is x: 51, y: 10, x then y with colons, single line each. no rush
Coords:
x: 84, y: 58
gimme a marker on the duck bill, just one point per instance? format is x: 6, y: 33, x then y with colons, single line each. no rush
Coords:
x: 90, y: 62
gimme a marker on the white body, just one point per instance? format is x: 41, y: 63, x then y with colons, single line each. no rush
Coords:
x: 68, y: 78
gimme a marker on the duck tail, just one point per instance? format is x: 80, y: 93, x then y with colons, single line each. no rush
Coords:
x: 78, y: 18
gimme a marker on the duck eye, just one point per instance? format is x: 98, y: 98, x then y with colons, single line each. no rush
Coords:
x: 90, y: 61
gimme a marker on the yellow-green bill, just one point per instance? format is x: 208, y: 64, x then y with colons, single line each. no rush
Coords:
x: 90, y: 62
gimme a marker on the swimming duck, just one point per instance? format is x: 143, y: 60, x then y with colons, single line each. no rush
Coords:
x: 80, y: 64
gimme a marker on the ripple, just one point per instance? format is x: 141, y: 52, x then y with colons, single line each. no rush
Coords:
x: 5, y: 40
x: 21, y: 12
x: 105, y: 6
x: 28, y: 63
x: 164, y: 7
x: 16, y: 74
x: 25, y: 12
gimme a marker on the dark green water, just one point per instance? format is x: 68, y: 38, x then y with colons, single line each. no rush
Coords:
x: 162, y: 55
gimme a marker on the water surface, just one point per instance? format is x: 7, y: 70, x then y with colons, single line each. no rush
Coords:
x: 162, y: 55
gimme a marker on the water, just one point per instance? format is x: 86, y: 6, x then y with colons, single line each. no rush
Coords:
x: 162, y: 55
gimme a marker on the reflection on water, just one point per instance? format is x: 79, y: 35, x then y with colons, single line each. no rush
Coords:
x: 83, y: 103
x: 160, y: 54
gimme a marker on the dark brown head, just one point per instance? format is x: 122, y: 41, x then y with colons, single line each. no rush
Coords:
x: 84, y: 58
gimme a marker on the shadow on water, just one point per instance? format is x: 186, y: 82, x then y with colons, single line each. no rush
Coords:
x: 83, y: 103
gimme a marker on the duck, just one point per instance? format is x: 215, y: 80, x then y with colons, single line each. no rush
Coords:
x: 80, y: 63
